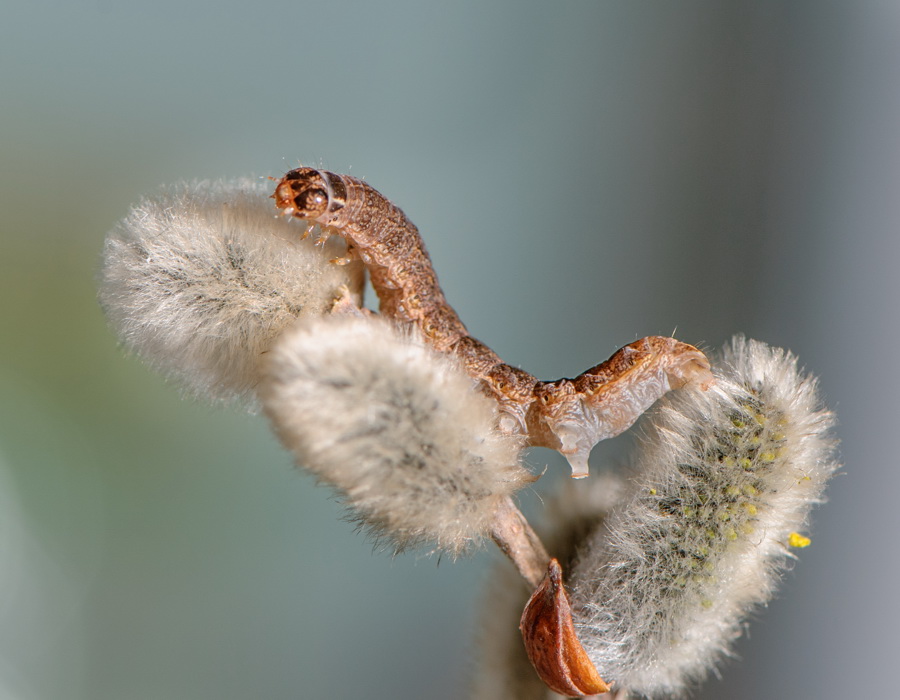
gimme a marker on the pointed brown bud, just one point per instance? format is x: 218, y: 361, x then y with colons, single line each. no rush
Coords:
x: 551, y: 643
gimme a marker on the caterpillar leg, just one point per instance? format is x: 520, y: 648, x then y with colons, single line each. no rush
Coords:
x: 573, y: 415
x: 350, y: 256
x: 343, y: 260
x: 345, y: 304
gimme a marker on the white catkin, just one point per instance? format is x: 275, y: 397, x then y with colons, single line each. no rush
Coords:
x: 722, y: 479
x: 399, y: 430
x: 200, y: 279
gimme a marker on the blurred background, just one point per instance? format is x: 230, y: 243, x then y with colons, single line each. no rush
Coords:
x: 584, y: 174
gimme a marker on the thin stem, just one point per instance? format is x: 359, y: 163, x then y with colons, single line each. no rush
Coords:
x: 512, y: 533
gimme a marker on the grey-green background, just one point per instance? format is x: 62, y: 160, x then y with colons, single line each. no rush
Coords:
x: 584, y: 173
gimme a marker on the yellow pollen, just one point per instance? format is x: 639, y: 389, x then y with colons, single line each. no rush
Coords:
x: 795, y: 539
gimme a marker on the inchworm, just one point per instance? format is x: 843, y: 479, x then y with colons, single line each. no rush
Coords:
x: 570, y: 415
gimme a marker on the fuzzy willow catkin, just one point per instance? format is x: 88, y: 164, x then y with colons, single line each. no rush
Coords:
x: 400, y: 430
x: 199, y: 280
x: 723, y: 479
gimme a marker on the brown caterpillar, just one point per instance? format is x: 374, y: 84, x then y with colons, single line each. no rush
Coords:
x: 569, y: 415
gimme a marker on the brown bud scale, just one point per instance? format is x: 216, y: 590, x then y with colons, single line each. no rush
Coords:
x: 551, y: 643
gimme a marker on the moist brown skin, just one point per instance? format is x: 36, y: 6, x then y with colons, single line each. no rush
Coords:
x: 566, y: 414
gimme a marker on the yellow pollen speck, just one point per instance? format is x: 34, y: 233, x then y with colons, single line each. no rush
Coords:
x: 795, y: 539
x: 760, y: 418
x: 749, y: 490
x: 732, y: 491
x: 750, y: 508
x: 730, y: 534
x: 745, y: 463
x: 706, y: 603
x: 737, y: 423
x: 652, y: 492
x: 767, y: 456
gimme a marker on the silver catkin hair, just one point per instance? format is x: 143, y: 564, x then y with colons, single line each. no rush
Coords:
x: 399, y: 430
x: 199, y: 279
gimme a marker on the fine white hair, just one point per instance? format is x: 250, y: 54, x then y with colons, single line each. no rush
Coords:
x: 723, y: 479
x: 401, y: 431
x: 200, y: 279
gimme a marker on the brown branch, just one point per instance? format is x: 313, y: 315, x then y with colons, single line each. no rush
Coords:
x: 512, y: 533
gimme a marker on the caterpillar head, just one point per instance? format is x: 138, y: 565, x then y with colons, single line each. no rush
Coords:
x: 307, y: 193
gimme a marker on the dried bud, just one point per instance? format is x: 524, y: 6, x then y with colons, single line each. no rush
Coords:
x: 199, y: 280
x: 551, y: 643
